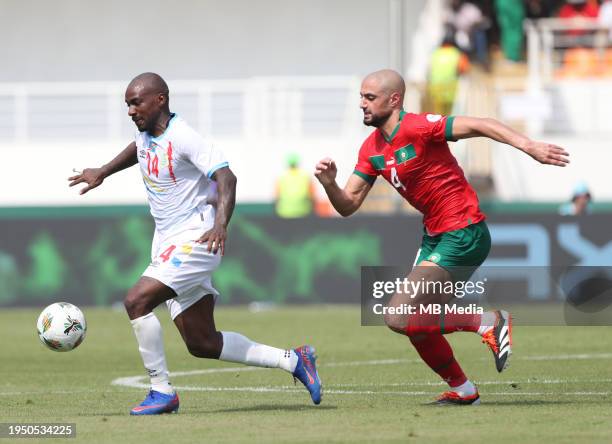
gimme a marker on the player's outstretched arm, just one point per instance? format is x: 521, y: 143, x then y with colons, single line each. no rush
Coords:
x: 545, y: 153
x: 94, y: 177
x: 226, y: 200
x: 346, y: 201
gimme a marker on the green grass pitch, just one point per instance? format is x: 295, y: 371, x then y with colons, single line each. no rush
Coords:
x: 557, y: 388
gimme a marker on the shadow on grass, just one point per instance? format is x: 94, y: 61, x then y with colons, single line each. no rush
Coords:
x: 254, y: 408
x: 271, y: 408
x: 530, y: 402
x: 103, y: 414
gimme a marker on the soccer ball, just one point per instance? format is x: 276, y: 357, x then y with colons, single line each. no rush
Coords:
x: 61, y: 326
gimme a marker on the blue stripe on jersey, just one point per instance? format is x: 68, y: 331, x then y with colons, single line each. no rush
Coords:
x: 212, y: 170
x: 173, y: 118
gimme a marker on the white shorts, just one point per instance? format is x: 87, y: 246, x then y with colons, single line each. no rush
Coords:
x: 185, y: 266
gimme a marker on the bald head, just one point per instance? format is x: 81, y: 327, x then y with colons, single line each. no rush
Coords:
x: 149, y: 82
x: 148, y: 103
x: 388, y: 82
x: 382, y: 97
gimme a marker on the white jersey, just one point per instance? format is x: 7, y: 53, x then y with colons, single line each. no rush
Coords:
x: 176, y: 168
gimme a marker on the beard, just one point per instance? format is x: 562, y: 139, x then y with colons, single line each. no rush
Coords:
x: 374, y: 120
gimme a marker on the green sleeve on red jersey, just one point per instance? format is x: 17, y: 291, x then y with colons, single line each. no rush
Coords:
x: 369, y: 179
x: 448, y: 129
x: 434, y: 128
x: 365, y: 167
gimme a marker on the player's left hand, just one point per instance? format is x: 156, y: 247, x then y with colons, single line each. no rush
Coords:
x: 547, y: 153
x: 215, y: 237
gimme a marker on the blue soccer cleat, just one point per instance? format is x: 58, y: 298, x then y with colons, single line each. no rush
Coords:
x: 306, y: 372
x: 157, y: 403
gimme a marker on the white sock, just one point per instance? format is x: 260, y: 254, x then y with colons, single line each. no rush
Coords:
x: 239, y: 348
x: 487, y: 322
x: 465, y: 389
x: 151, y: 346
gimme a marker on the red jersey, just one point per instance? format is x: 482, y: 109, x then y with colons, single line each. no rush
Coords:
x: 417, y: 161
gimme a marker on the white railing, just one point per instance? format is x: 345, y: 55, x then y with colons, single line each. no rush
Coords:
x: 256, y: 122
x: 252, y: 108
x: 474, y: 97
x: 569, y: 83
x: 546, y: 38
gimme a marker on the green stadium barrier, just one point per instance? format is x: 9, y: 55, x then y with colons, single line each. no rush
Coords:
x: 92, y: 256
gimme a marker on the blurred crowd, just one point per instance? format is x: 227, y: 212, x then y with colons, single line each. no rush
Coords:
x: 477, y: 26
x: 475, y: 30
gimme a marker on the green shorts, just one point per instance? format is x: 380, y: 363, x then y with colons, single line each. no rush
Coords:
x: 460, y: 252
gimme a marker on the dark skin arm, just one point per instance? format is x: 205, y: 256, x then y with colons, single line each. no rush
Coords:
x: 94, y: 177
x: 226, y: 200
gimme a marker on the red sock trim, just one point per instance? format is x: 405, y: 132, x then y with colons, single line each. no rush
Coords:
x: 430, y: 324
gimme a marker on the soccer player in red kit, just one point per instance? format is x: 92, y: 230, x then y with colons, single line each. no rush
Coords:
x: 411, y: 152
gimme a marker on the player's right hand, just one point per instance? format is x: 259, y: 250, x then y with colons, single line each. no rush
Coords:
x: 547, y: 153
x: 326, y: 171
x: 93, y: 177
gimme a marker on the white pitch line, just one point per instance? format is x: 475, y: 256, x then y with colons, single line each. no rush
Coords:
x: 500, y: 382
x: 218, y: 370
x: 568, y: 357
x: 52, y: 392
x: 580, y: 357
x: 373, y: 362
x: 284, y: 389
x: 139, y: 381
x: 517, y: 393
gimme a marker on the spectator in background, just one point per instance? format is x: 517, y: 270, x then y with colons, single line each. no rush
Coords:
x: 538, y: 9
x: 469, y: 24
x: 579, y: 9
x: 294, y: 191
x: 605, y: 16
x: 446, y: 65
x: 580, y: 203
x: 510, y: 15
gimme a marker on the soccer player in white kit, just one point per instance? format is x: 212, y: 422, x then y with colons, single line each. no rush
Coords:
x: 178, y: 167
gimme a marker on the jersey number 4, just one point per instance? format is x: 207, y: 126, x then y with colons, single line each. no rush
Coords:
x: 395, y: 179
x: 167, y: 253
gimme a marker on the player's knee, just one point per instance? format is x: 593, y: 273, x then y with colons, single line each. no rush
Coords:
x: 416, y: 338
x: 204, y: 348
x: 137, y: 303
x: 396, y: 323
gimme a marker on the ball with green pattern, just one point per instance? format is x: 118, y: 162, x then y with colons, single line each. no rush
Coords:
x: 61, y: 326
